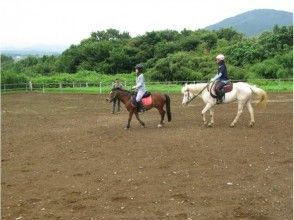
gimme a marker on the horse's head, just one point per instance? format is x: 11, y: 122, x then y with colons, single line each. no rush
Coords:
x: 117, y: 93
x: 187, y: 94
x: 112, y: 95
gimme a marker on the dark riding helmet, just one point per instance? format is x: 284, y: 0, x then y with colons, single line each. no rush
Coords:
x: 139, y: 67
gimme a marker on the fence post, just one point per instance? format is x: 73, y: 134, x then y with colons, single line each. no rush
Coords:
x: 87, y: 85
x: 60, y: 86
x: 100, y: 89
x: 31, y: 86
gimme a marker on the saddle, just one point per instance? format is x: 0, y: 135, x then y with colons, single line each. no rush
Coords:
x: 146, y: 99
x: 228, y: 87
x: 147, y: 94
x: 221, y: 87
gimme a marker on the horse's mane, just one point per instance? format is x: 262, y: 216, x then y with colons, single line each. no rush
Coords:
x: 122, y: 90
x: 197, y: 87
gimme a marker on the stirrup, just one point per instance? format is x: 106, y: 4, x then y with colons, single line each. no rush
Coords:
x: 141, y: 109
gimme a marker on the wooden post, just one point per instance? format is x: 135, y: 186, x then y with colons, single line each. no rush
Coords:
x: 31, y: 86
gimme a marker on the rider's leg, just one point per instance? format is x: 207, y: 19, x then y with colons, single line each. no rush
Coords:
x: 138, y: 100
x: 220, y: 92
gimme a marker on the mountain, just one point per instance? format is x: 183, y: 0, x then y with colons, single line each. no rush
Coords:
x: 253, y: 23
x: 37, y: 50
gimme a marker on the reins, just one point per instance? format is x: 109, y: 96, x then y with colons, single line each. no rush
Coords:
x: 197, y: 94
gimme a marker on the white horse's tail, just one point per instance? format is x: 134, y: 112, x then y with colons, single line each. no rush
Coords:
x: 261, y: 94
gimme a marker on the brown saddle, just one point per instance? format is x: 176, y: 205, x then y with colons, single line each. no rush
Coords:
x: 228, y: 87
x: 215, y: 88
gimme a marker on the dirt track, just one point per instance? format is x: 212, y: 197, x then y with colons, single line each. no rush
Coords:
x: 66, y: 157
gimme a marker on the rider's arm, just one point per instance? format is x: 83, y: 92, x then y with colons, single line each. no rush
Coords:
x: 218, y: 75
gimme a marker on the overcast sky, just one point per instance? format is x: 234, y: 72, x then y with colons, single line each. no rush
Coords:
x: 64, y: 22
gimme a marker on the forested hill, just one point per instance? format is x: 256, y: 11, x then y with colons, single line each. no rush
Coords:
x: 167, y: 55
x: 253, y: 23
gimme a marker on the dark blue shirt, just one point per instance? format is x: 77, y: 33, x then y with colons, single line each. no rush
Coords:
x: 222, y: 69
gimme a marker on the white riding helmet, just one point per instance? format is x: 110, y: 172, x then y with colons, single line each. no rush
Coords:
x: 220, y: 57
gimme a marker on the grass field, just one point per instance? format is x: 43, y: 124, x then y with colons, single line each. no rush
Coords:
x: 269, y: 86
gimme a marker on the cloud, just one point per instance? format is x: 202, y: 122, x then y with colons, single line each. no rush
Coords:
x: 63, y: 22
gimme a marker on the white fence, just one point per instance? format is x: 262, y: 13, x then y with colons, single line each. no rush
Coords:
x: 105, y: 87
x: 100, y: 87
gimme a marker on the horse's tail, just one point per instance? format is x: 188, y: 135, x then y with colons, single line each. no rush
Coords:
x: 261, y: 93
x: 167, y: 98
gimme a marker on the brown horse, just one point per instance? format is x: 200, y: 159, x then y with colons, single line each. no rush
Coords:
x: 158, y: 102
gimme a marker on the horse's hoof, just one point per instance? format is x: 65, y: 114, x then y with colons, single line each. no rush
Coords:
x: 159, y: 125
x: 126, y: 128
x: 251, y: 125
x: 210, y: 125
x: 232, y: 125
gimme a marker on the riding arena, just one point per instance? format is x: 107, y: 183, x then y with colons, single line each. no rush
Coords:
x: 65, y: 156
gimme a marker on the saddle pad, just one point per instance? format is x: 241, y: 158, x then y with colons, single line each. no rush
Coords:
x: 147, y: 101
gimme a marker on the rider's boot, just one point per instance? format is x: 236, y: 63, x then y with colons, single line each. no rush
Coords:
x: 219, y: 99
x: 140, y: 107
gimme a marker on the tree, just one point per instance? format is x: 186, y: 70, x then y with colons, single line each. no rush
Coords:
x: 278, y: 41
x: 109, y: 35
x: 229, y: 34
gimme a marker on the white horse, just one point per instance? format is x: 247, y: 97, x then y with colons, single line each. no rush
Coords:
x: 242, y: 92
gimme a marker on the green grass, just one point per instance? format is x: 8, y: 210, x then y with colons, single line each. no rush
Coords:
x: 269, y: 86
x: 274, y: 85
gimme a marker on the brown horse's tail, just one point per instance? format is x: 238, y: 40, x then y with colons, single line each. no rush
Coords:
x: 168, y: 107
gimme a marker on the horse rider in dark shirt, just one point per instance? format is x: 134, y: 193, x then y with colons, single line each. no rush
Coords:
x: 221, y: 78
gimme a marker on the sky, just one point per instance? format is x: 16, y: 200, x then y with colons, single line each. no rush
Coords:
x: 26, y: 23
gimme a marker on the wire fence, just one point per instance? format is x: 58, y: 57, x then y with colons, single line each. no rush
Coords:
x: 105, y: 87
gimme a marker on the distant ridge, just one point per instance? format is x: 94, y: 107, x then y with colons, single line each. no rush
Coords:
x: 253, y: 23
x: 36, y: 50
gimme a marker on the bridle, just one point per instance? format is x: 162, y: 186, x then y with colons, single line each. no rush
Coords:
x: 190, y: 100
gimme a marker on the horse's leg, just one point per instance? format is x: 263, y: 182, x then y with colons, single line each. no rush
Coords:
x: 206, y: 108
x: 251, y: 112
x: 137, y: 116
x: 239, y: 112
x: 130, y: 118
x: 162, y: 114
x: 211, y: 111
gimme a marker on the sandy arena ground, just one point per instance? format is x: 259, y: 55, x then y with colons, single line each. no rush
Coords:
x: 65, y: 156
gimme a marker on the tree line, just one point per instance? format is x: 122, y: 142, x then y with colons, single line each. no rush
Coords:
x: 168, y: 55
